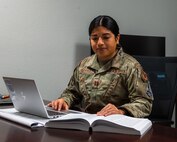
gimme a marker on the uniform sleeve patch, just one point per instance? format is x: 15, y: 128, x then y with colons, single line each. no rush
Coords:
x: 144, y: 76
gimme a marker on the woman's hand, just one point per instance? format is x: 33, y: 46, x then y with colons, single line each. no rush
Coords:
x: 110, y: 109
x: 59, y: 104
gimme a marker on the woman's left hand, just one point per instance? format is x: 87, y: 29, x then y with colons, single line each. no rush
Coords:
x: 110, y: 109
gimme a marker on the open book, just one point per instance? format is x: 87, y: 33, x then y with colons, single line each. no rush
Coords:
x: 113, y: 123
x: 83, y: 121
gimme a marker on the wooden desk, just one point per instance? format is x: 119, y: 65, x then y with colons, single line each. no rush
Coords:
x: 12, y: 132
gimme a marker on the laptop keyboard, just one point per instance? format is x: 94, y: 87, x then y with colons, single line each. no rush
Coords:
x: 53, y: 113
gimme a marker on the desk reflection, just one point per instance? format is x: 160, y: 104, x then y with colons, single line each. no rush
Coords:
x: 14, y: 132
x: 66, y: 135
x: 83, y: 136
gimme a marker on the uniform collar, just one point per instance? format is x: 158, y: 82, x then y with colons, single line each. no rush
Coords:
x: 116, y: 61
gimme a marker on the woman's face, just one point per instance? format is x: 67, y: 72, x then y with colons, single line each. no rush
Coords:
x: 103, y: 43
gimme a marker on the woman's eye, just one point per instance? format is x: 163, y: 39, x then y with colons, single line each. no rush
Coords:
x: 106, y: 37
x: 95, y: 38
x: 103, y: 38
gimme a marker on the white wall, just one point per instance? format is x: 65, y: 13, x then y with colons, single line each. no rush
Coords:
x: 45, y: 39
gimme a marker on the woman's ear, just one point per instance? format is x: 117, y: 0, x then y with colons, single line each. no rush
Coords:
x: 118, y: 38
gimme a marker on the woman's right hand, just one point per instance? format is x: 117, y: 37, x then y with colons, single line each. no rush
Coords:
x: 59, y: 104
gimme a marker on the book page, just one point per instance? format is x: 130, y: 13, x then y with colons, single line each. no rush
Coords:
x: 123, y: 120
x: 122, y: 124
x: 80, y: 121
x: 85, y: 116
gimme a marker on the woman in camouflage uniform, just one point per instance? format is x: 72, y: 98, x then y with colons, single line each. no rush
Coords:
x: 110, y: 81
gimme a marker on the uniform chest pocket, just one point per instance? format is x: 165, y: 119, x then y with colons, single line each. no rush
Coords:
x: 85, y: 83
x: 102, y: 84
x: 108, y: 81
x: 95, y: 83
x: 116, y: 86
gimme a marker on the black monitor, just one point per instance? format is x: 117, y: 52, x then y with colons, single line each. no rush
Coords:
x: 143, y: 45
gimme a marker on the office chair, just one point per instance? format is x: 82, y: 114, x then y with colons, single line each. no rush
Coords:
x: 162, y: 73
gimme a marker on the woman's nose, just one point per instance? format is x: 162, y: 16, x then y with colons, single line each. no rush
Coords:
x: 100, y: 41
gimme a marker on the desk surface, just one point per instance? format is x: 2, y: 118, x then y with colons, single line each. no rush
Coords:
x: 12, y: 132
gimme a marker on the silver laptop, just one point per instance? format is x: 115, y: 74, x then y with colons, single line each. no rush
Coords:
x: 27, y: 99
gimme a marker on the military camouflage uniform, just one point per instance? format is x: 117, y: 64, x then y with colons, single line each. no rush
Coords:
x: 121, y: 82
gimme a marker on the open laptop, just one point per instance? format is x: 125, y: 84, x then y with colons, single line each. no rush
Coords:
x: 27, y: 99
